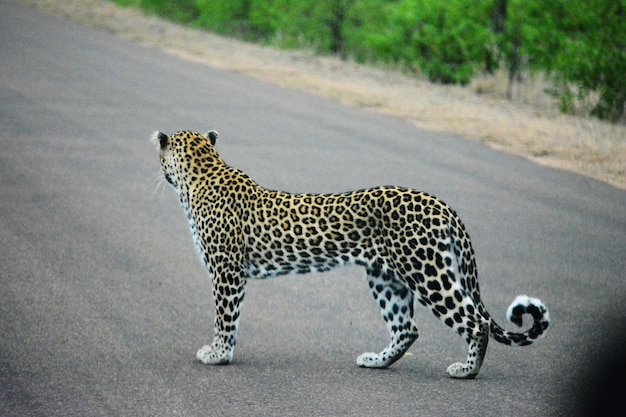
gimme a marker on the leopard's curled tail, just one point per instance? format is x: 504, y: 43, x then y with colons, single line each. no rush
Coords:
x: 520, y: 306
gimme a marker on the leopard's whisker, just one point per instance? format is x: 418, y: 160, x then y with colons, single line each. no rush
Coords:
x: 159, y: 182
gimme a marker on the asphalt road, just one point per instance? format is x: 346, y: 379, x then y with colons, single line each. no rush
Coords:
x: 103, y: 302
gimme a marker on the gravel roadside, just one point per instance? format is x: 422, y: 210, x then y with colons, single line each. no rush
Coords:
x: 536, y: 131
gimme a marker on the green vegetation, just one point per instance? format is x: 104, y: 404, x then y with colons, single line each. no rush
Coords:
x: 580, y: 44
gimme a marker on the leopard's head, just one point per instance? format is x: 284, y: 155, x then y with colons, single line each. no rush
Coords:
x: 185, y: 155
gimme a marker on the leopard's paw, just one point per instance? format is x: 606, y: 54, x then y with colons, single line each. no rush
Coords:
x: 209, y: 355
x: 370, y: 360
x: 461, y: 371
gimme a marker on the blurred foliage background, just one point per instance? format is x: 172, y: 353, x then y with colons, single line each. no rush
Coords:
x: 579, y: 45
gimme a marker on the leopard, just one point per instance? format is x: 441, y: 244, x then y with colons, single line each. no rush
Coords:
x: 412, y: 245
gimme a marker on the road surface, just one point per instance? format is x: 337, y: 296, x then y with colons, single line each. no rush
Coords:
x: 103, y: 302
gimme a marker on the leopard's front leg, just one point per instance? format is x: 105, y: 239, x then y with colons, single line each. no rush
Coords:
x: 228, y: 292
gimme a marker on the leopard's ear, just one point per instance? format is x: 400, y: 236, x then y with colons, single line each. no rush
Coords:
x: 159, y: 139
x: 212, y: 135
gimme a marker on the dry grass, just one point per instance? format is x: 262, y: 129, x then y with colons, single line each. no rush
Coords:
x: 530, y: 125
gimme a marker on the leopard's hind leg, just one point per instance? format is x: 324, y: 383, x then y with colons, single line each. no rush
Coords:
x: 396, y: 306
x: 477, y: 341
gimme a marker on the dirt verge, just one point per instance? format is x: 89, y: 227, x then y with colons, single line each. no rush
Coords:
x: 530, y: 129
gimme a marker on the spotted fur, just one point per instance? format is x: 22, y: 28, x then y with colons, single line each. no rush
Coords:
x: 412, y: 245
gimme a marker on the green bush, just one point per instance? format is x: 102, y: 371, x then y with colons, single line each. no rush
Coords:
x: 229, y: 18
x: 581, y: 43
x: 593, y: 56
x: 179, y: 10
x: 446, y: 41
